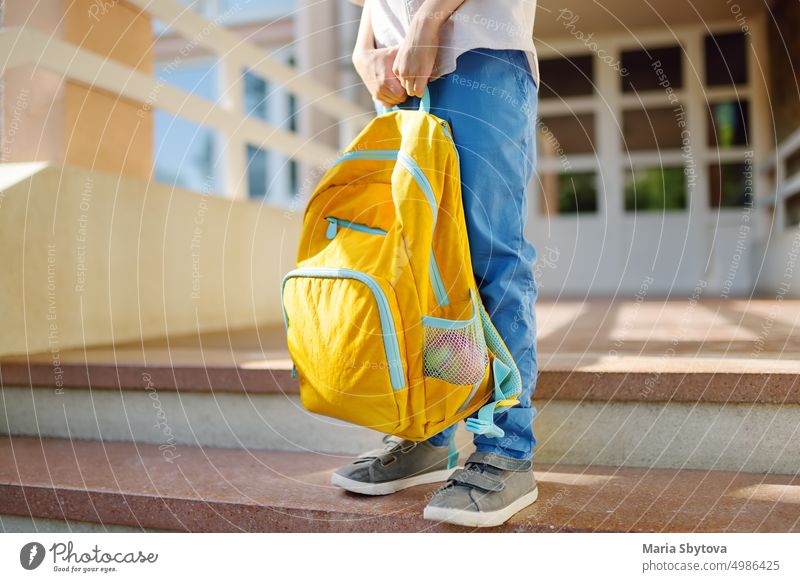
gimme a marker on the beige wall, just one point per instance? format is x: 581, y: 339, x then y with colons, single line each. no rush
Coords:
x: 47, y: 118
x: 33, y: 102
x: 89, y: 258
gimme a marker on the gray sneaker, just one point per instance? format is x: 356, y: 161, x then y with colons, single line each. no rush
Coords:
x: 489, y: 490
x: 398, y: 465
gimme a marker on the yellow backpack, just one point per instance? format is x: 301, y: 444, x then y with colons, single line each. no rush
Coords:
x: 384, y: 322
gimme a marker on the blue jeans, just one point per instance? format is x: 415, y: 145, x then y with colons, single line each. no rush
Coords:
x: 490, y: 102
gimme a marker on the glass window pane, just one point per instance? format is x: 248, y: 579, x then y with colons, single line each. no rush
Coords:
x: 255, y: 95
x: 731, y: 185
x: 568, y: 193
x: 256, y: 172
x: 566, y: 77
x: 262, y: 8
x: 655, y: 189
x: 792, y: 162
x: 185, y: 152
x: 561, y: 135
x: 793, y: 210
x: 727, y: 124
x: 651, y: 129
x: 198, y: 78
x: 652, y: 69
x: 292, y: 106
x: 726, y: 59
x: 294, y: 180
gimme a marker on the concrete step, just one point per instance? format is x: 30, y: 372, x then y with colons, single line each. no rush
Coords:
x: 117, y: 485
x: 735, y: 437
x: 654, y: 392
x: 756, y: 431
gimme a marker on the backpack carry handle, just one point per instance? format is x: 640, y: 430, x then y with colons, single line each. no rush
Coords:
x: 424, y: 103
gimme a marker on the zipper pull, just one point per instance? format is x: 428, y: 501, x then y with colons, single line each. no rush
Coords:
x: 446, y: 131
x: 331, y: 232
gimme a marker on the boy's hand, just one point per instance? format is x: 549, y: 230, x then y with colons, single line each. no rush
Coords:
x: 374, y: 66
x: 416, y: 56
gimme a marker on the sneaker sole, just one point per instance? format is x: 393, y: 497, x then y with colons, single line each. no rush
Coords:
x: 480, y: 518
x: 388, y: 487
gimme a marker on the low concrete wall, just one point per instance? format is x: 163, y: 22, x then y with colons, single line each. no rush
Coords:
x: 90, y: 258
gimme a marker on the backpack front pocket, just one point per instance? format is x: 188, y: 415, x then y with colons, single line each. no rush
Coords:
x: 345, y: 341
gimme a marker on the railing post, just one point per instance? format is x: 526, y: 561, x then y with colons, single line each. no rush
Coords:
x: 234, y: 146
x: 316, y: 27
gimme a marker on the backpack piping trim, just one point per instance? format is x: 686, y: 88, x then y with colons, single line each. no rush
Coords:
x: 391, y: 344
x: 336, y: 223
x: 412, y: 167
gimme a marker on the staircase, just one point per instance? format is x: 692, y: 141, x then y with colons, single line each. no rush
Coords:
x: 652, y: 416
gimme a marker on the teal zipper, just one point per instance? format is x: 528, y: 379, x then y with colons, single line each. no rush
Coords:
x: 410, y: 164
x: 336, y: 223
x: 447, y: 132
x: 452, y: 141
x: 391, y: 344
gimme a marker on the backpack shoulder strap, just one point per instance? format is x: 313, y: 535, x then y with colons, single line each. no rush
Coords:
x: 507, y: 382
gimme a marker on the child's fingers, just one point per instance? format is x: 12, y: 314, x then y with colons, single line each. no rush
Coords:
x: 393, y: 88
x: 408, y: 85
x: 390, y: 99
x: 419, y: 86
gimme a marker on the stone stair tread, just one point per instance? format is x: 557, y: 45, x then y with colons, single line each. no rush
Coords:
x: 256, y: 361
x: 209, y: 489
x: 656, y: 350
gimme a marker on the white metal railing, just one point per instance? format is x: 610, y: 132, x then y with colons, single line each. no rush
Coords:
x: 784, y: 183
x: 233, y: 50
x: 27, y: 46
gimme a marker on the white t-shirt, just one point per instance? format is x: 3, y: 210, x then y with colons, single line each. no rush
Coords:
x: 490, y: 24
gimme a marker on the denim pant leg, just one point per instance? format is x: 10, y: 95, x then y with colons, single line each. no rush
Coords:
x: 490, y: 102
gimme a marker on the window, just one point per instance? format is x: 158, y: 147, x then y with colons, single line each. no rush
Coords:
x: 793, y: 210
x: 561, y: 135
x: 238, y: 10
x: 255, y: 95
x: 731, y: 185
x: 568, y: 193
x: 792, y: 162
x: 566, y: 77
x: 294, y: 180
x: 727, y: 124
x: 257, y: 168
x: 186, y: 154
x: 653, y: 69
x: 651, y: 129
x: 655, y: 189
x: 726, y: 59
x: 292, y: 107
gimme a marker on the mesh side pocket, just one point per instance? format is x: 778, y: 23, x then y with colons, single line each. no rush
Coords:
x: 455, y: 352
